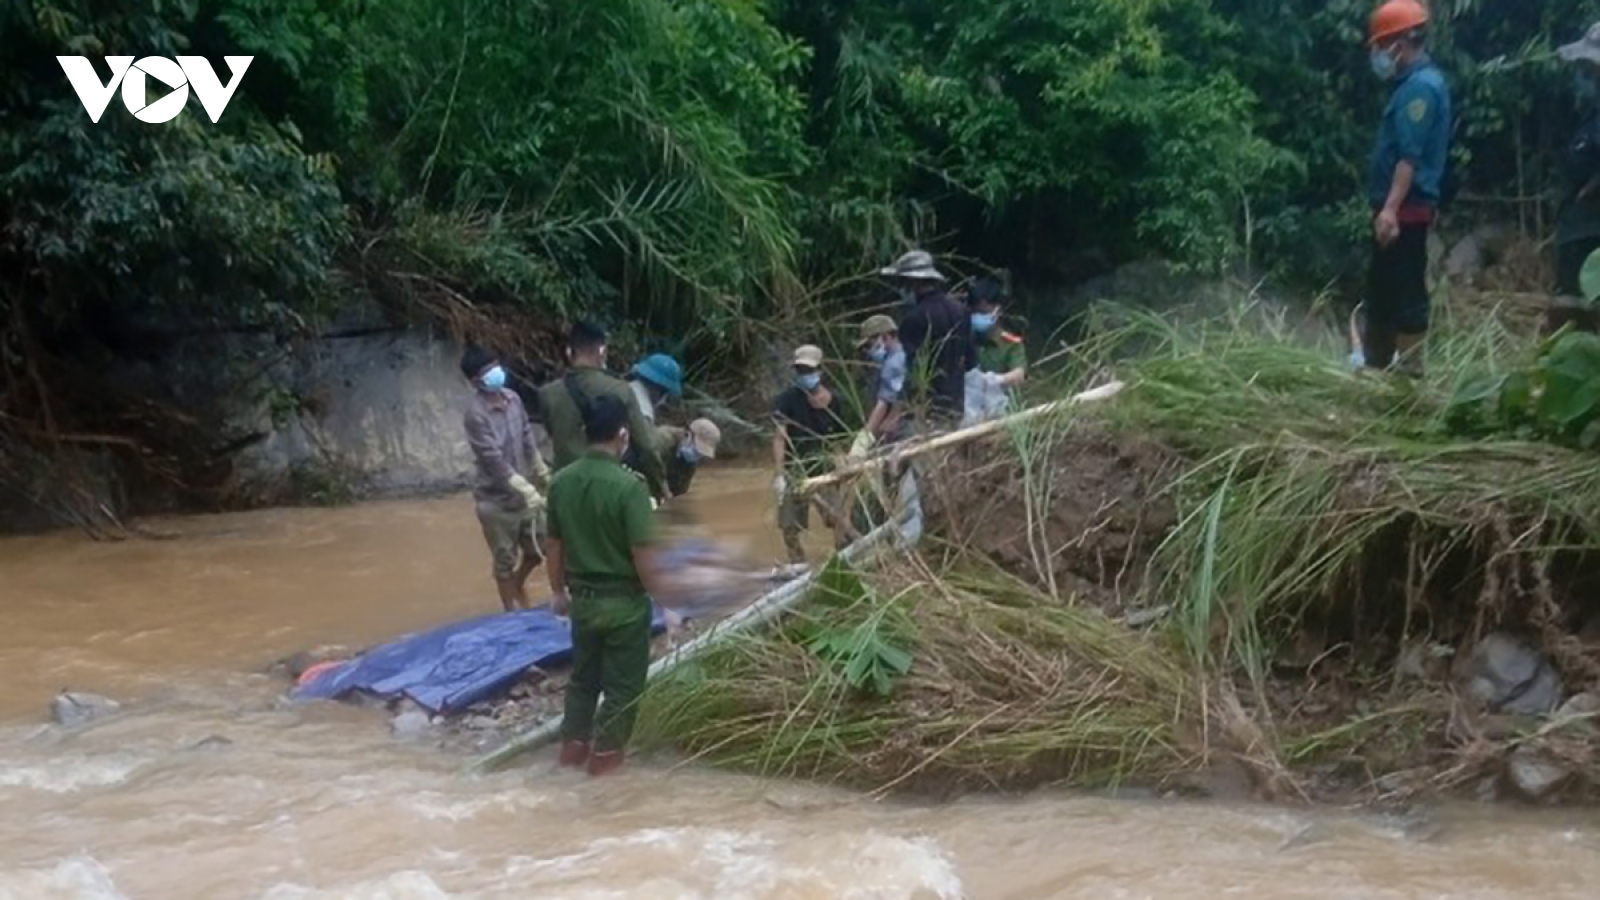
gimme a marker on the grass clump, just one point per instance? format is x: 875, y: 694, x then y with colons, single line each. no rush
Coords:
x: 1004, y: 688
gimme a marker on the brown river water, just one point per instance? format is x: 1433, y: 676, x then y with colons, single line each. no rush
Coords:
x: 210, y: 786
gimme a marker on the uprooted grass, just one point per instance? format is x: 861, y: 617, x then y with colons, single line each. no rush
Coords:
x: 1004, y: 688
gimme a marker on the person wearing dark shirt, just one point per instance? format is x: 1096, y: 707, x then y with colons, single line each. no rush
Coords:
x: 807, y: 418
x: 937, y: 335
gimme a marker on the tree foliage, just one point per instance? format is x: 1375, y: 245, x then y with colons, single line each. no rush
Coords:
x: 689, y: 168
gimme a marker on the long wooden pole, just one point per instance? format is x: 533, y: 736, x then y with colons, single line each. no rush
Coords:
x: 994, y: 426
x: 762, y: 610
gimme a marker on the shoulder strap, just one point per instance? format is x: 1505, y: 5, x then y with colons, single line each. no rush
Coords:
x: 580, y: 398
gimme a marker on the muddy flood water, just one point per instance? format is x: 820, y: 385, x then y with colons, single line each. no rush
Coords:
x: 210, y: 786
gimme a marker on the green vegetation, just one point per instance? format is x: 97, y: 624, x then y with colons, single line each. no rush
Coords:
x: 690, y: 171
x: 1310, y: 504
x: 1003, y: 688
x: 1557, y: 396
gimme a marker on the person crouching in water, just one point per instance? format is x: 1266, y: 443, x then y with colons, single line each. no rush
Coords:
x: 684, y: 449
x: 601, y: 559
x: 505, y: 457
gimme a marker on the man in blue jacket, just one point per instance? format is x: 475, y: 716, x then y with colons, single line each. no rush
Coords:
x: 1404, y: 185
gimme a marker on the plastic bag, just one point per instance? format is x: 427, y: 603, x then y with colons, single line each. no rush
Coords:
x: 986, y: 398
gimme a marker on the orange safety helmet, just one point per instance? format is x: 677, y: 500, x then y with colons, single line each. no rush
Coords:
x: 1395, y: 17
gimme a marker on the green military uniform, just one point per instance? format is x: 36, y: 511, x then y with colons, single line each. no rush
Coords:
x: 1001, y: 351
x: 600, y: 512
x: 565, y: 423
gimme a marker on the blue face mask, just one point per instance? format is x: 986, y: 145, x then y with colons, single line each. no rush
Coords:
x: 689, y: 453
x: 809, y: 381
x: 494, y: 379
x: 878, y: 353
x: 1384, y: 64
x: 982, y: 322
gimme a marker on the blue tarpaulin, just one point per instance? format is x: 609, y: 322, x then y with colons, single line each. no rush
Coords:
x: 456, y: 665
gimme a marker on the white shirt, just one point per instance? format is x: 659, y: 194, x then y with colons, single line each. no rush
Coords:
x: 645, y: 405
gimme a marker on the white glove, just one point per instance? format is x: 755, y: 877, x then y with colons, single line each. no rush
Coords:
x: 862, y: 446
x: 780, y: 485
x: 530, y: 494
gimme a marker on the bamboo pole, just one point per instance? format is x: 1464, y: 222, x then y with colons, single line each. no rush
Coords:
x: 761, y: 611
x: 954, y: 438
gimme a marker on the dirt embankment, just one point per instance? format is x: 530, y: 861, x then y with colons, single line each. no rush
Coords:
x: 1458, y: 656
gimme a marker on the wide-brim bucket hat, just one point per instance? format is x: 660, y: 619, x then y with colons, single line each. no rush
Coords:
x: 662, y: 371
x: 917, y: 265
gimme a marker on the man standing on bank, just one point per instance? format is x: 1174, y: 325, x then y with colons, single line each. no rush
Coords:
x: 809, y: 417
x: 603, y: 574
x: 505, y: 457
x: 565, y: 400
x: 1404, y: 185
x: 937, y: 336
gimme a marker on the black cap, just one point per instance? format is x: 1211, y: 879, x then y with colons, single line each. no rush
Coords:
x: 585, y: 336
x: 983, y: 290
x: 475, y: 360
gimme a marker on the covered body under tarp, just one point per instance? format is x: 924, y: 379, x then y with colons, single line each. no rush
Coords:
x: 455, y: 665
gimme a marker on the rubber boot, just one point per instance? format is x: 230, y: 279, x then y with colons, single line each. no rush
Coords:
x: 573, y: 753
x: 604, y: 762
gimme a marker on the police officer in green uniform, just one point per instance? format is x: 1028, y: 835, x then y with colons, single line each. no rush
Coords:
x: 601, y: 560
x: 1404, y: 184
x: 563, y: 402
x: 1000, y: 352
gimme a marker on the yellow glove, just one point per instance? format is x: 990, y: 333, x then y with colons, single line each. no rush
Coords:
x: 530, y: 494
x: 862, y: 447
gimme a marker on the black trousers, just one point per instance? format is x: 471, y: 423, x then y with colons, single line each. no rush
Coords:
x: 1397, y: 293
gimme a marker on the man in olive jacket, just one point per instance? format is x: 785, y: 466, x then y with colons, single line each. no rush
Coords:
x: 565, y: 399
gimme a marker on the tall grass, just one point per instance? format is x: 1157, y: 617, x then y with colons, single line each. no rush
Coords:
x: 1006, y: 688
x: 1300, y: 469
x: 1304, y: 492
